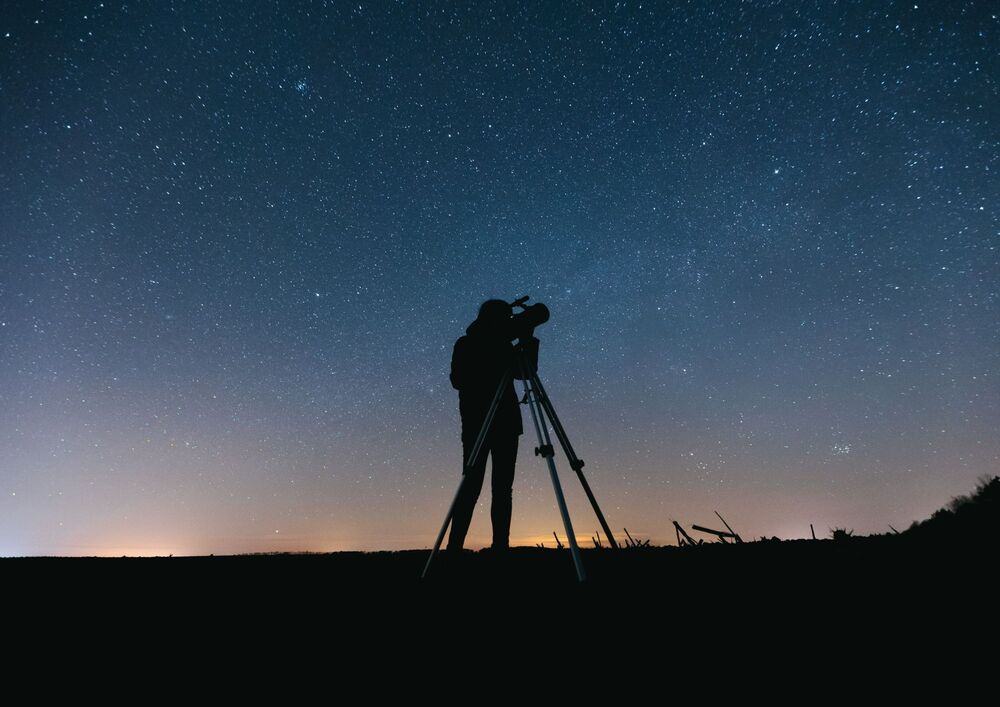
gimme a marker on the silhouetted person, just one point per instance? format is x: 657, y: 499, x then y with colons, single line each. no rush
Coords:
x: 478, y: 362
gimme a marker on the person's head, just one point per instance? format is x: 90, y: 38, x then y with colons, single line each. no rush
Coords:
x: 494, y: 311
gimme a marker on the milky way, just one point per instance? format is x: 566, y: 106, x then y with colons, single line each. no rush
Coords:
x: 238, y: 242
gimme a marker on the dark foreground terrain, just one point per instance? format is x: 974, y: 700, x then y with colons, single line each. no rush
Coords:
x: 937, y: 575
x: 803, y: 568
x: 830, y: 572
x: 885, y: 594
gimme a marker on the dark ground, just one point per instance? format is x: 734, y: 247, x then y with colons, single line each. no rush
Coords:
x: 898, y: 618
x: 824, y: 572
x: 839, y: 609
x: 930, y: 589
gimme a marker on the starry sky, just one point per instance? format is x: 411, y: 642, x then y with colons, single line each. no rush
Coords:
x: 239, y: 240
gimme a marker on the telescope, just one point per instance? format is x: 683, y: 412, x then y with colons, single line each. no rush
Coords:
x: 522, y: 325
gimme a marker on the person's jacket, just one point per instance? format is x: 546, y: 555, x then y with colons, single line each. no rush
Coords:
x: 478, y: 362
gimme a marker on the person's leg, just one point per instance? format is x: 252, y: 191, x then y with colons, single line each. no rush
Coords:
x: 504, y: 452
x: 466, y: 502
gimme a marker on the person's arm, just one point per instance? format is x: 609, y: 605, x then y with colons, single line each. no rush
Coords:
x: 459, y: 364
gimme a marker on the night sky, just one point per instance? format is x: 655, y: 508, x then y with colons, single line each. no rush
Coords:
x: 239, y: 240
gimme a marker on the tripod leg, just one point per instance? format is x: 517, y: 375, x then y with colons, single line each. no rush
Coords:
x: 546, y: 451
x: 444, y: 528
x: 574, y: 461
x: 490, y: 414
x: 473, y: 457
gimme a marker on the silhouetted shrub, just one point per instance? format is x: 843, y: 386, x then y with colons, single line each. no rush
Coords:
x: 841, y: 533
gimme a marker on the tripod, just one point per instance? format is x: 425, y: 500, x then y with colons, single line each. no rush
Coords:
x: 541, y: 407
